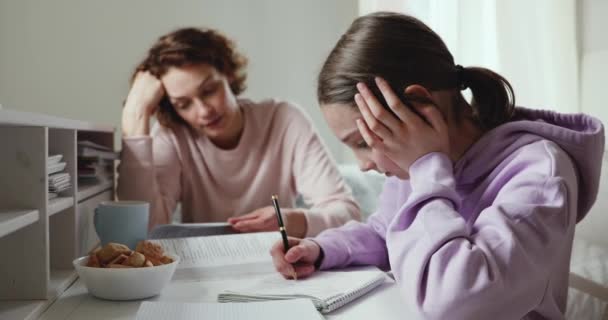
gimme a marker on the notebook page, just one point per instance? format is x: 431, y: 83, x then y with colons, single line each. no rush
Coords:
x: 323, y: 285
x: 225, y: 254
x: 297, y: 309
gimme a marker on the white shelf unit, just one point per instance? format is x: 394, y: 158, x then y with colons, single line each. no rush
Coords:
x: 42, y: 237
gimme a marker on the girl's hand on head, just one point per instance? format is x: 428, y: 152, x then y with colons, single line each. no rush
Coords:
x: 265, y: 219
x: 405, y: 137
x: 299, y: 260
x: 142, y: 101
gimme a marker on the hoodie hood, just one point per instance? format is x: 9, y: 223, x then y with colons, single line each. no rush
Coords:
x: 579, y: 135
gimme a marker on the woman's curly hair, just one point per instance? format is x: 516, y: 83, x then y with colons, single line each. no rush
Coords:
x: 190, y: 46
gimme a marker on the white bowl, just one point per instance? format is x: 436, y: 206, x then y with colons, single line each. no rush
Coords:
x: 127, y: 283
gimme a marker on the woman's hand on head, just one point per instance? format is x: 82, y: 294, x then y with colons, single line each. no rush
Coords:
x: 407, y: 136
x: 142, y: 101
x: 300, y: 259
x: 265, y: 219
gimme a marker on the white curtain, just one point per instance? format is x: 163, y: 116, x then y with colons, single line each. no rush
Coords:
x: 531, y: 43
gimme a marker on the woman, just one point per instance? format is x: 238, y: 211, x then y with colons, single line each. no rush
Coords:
x: 220, y: 156
x: 478, y: 217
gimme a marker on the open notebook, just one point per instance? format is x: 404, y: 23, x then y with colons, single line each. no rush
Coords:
x: 328, y: 290
x: 298, y: 309
x: 247, y: 256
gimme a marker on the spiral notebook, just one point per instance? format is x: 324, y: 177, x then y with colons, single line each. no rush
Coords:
x: 328, y: 290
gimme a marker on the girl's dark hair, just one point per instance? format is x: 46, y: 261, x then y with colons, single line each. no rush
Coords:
x: 190, y: 46
x: 405, y: 51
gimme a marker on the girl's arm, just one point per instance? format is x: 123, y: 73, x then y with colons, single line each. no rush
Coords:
x: 358, y: 243
x: 497, y: 267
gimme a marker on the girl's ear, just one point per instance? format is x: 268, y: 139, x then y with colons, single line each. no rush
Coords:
x: 417, y: 91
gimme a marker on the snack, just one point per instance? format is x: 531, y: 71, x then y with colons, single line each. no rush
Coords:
x: 110, y: 251
x: 116, y: 255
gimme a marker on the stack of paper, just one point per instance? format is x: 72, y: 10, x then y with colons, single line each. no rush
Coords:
x: 297, y: 309
x: 95, y: 162
x: 58, y: 181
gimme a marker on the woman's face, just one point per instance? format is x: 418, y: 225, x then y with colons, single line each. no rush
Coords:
x: 202, y: 97
x: 342, y: 121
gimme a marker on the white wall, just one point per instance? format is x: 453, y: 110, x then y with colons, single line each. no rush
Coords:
x: 74, y: 58
x: 594, y: 57
x: 594, y: 78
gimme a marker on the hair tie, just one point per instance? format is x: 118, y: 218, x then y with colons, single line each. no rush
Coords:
x: 460, y: 79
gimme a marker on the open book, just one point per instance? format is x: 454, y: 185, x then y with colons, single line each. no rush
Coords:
x: 247, y: 255
x: 184, y: 230
x: 222, y: 255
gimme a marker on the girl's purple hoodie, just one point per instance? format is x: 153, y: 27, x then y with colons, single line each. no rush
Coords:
x: 490, y: 236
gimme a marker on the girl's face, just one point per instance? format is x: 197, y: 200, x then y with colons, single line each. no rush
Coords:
x: 342, y: 121
x: 202, y: 97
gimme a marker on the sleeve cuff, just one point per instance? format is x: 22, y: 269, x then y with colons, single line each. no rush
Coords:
x: 315, y: 223
x: 136, y: 151
x: 333, y: 253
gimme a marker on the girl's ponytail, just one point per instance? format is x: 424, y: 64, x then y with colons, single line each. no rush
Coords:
x: 493, y: 98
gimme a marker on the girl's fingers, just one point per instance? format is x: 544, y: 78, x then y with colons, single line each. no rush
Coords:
x: 283, y: 267
x: 370, y: 138
x: 433, y: 117
x: 374, y: 124
x: 303, y: 271
x: 378, y: 110
x: 278, y: 259
x: 295, y: 254
x: 406, y: 115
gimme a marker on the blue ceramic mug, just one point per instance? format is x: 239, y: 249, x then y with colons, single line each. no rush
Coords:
x: 123, y: 222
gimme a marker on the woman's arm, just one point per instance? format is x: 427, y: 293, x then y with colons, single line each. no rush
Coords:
x: 149, y: 169
x: 317, y: 179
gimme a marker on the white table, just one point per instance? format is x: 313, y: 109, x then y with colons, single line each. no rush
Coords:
x: 383, y: 302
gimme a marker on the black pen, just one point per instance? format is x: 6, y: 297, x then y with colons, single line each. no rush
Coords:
x: 277, y: 210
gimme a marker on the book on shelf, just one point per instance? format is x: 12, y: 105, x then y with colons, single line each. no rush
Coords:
x: 56, y: 167
x: 247, y: 255
x: 54, y: 159
x: 58, y: 181
x: 95, y: 169
x: 91, y: 149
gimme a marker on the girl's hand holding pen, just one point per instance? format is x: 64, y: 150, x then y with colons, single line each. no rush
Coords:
x: 299, y: 260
